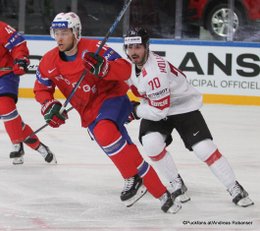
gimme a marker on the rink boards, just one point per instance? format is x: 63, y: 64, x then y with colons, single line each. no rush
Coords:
x: 224, y: 72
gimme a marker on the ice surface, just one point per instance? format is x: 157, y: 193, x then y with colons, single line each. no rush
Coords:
x: 82, y: 191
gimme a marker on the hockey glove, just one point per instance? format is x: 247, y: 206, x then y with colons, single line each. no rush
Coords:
x: 133, y: 116
x: 21, y: 66
x: 95, y: 64
x: 51, y: 112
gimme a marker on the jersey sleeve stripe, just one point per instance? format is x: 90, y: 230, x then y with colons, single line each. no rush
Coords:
x: 45, y: 81
x: 15, y: 40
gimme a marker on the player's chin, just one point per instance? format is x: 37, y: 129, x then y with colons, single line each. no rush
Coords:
x: 135, y: 60
x: 61, y: 47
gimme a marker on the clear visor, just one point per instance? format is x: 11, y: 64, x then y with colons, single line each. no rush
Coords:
x: 58, y: 26
x: 60, y: 32
x: 55, y: 32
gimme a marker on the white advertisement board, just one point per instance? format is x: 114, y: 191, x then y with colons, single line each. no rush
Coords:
x: 213, y: 68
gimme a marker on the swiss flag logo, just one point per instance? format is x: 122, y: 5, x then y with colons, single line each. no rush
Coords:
x: 161, y: 103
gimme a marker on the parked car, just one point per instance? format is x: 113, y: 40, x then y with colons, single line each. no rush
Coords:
x: 214, y: 16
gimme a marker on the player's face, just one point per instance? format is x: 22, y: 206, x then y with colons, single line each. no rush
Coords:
x: 137, y: 53
x: 65, y: 39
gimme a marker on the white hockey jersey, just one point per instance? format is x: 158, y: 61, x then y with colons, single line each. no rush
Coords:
x: 163, y: 89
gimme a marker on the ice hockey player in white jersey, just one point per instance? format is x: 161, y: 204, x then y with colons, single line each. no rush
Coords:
x: 168, y: 102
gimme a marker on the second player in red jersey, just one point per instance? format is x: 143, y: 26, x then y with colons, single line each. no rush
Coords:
x: 14, y: 59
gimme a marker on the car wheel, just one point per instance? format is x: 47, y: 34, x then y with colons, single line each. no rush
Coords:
x: 218, y: 21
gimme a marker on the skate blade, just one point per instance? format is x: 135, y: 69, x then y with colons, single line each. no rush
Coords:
x: 176, y: 207
x: 140, y: 193
x: 18, y: 160
x: 183, y: 198
x: 245, y: 202
x: 54, y: 161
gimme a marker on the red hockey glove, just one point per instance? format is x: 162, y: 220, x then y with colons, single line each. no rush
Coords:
x: 51, y: 112
x: 95, y: 64
x: 133, y: 116
x: 20, y: 66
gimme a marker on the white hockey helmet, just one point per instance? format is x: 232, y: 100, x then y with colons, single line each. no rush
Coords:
x: 67, y: 20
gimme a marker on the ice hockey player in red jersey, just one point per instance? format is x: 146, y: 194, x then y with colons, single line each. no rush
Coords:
x: 168, y: 102
x: 101, y: 102
x: 13, y: 63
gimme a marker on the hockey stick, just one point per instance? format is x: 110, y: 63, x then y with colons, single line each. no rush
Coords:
x: 30, y: 69
x: 39, y: 129
x: 6, y: 68
x: 110, y: 31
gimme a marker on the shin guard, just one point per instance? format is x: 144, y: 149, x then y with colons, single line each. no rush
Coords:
x: 126, y: 157
x: 116, y: 147
x: 151, y: 180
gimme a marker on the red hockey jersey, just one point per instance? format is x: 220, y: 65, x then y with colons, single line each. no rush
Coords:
x: 12, y: 46
x: 92, y: 92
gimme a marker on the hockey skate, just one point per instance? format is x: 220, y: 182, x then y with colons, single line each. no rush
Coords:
x: 133, y: 190
x: 178, y: 189
x: 48, y: 156
x: 169, y: 203
x: 240, y: 195
x: 17, y: 153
